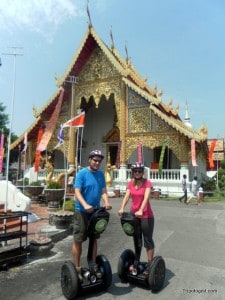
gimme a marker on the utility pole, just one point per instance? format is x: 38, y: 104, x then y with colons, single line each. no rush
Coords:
x: 14, y: 52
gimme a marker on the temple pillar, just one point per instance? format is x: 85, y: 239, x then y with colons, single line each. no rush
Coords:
x: 122, y: 125
x: 184, y: 170
x: 72, y: 133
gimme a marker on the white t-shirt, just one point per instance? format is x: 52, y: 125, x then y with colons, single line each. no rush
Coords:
x: 194, y: 187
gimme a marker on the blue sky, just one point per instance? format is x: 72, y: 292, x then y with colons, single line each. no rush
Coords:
x: 178, y: 44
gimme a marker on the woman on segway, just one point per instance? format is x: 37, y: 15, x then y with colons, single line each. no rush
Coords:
x: 139, y: 190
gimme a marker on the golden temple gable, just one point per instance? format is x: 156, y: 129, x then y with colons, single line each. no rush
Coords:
x: 120, y: 107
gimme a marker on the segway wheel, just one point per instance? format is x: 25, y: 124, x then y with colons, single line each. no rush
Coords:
x: 157, y: 274
x: 69, y: 280
x: 106, y: 270
x: 125, y: 261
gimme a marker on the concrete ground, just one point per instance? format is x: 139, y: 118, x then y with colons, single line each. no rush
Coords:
x: 190, y: 238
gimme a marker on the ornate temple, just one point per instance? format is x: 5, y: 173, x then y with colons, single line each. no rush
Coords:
x: 121, y: 110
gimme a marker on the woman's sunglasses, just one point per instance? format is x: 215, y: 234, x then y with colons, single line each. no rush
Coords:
x: 137, y: 171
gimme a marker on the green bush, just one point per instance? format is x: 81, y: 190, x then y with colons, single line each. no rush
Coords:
x: 208, y: 185
x: 69, y: 205
x: 35, y: 183
x: 54, y: 185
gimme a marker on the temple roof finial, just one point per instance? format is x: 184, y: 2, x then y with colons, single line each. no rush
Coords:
x: 89, y: 16
x: 127, y: 57
x: 111, y: 36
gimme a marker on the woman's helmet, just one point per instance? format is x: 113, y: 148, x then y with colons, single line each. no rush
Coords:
x: 137, y: 165
x: 96, y: 153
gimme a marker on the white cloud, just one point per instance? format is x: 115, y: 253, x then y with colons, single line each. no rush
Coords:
x: 41, y: 16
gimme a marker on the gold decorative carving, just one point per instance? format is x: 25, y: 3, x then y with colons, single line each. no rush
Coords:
x: 139, y: 120
x: 155, y: 140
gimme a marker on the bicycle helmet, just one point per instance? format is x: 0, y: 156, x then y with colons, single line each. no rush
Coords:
x: 137, y: 165
x: 96, y: 153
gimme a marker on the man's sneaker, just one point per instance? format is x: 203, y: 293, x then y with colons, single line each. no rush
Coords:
x: 97, y: 271
x: 79, y: 273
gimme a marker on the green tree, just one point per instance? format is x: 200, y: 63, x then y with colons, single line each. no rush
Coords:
x: 221, y: 176
x: 4, y: 121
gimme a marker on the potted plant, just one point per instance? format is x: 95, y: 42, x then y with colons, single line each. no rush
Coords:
x: 22, y: 184
x: 63, y: 218
x: 34, y: 189
x: 54, y: 193
x: 41, y: 245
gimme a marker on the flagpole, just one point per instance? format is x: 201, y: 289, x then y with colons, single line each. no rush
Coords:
x: 14, y: 54
x: 66, y: 175
x: 77, y: 149
x: 82, y: 130
x: 24, y: 163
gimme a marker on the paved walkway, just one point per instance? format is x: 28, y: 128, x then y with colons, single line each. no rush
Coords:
x: 39, y: 219
x: 39, y: 223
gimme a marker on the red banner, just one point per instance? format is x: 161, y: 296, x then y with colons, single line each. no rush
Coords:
x: 51, y: 124
x: 212, y: 147
x: 193, y: 153
x: 139, y: 152
x: 38, y: 153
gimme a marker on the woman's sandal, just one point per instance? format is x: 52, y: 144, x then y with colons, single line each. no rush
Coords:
x: 146, y: 271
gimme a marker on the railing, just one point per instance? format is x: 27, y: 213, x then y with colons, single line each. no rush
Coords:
x: 152, y: 174
x: 172, y: 175
x: 168, y: 181
x: 42, y: 174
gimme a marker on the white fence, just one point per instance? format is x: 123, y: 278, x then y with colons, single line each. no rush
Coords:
x: 169, y: 181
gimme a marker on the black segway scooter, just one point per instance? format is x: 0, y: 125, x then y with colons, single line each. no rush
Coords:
x: 71, y: 283
x: 156, y: 275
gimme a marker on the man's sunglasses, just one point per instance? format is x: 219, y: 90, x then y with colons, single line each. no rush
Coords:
x: 137, y: 171
x: 97, y: 160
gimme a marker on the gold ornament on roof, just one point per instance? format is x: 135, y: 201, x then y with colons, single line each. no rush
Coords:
x: 203, y: 130
x: 176, y: 110
x: 169, y: 105
x: 155, y: 90
x: 160, y: 93
x: 35, y: 112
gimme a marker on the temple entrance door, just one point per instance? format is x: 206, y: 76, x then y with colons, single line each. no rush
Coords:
x: 166, y: 158
x: 112, y: 153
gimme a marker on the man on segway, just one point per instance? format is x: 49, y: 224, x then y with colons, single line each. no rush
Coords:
x: 90, y: 187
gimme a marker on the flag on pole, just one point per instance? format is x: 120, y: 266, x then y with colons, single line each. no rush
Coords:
x: 193, y: 153
x: 51, y: 124
x: 77, y: 121
x: 139, y: 152
x: 25, y: 143
x: 211, y: 150
x: 1, y: 151
x: 60, y: 137
x: 162, y: 157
